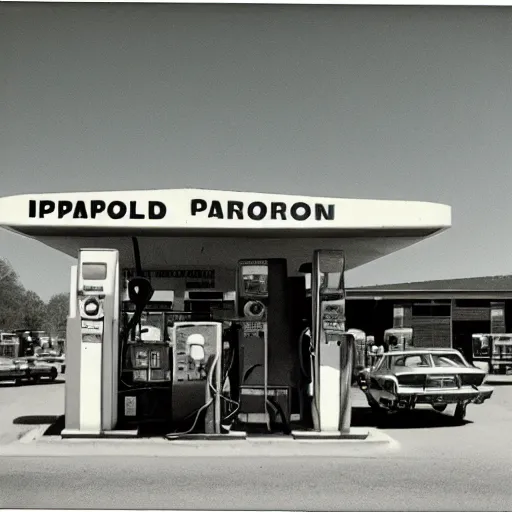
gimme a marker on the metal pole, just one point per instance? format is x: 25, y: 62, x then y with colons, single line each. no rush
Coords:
x: 316, y: 335
x: 347, y: 357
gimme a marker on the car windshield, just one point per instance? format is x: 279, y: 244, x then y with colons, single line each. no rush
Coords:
x: 448, y: 360
x: 411, y: 361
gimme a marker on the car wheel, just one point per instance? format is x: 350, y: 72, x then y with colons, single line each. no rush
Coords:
x: 35, y: 379
x: 379, y: 413
x: 18, y: 382
x: 381, y: 416
x: 53, y: 374
x: 439, y: 407
x: 460, y: 412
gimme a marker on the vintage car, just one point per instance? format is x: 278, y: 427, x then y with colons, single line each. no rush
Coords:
x: 50, y: 356
x: 401, y: 379
x: 37, y: 369
x: 53, y: 357
x: 11, y: 369
x: 26, y: 369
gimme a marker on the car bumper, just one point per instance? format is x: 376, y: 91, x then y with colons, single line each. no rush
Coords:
x: 12, y: 375
x: 38, y: 372
x: 440, y: 396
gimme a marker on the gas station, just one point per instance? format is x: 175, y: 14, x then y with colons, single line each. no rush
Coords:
x: 212, y: 313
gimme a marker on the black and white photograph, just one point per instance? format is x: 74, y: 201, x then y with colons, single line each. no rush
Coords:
x: 255, y: 256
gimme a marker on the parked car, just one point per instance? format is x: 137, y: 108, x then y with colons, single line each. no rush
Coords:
x: 50, y: 356
x: 438, y: 377
x: 26, y: 369
x: 53, y: 357
x: 12, y: 370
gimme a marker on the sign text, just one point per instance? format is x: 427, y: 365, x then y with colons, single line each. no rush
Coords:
x: 258, y: 210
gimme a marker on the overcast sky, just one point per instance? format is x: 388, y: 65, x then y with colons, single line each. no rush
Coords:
x: 356, y: 102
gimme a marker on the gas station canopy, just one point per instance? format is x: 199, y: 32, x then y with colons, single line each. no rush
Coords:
x: 217, y: 228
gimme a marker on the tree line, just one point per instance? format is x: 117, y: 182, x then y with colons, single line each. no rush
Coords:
x: 24, y: 309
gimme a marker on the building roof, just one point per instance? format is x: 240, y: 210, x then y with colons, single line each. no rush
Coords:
x: 485, y: 283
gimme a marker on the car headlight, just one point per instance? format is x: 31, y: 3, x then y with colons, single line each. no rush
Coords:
x: 390, y: 386
x: 23, y: 366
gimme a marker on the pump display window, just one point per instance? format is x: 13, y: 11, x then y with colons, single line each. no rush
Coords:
x: 255, y: 280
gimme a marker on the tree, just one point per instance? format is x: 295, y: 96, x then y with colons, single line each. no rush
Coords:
x: 6, y: 270
x: 24, y: 309
x: 12, y: 297
x: 34, y: 312
x: 56, y: 315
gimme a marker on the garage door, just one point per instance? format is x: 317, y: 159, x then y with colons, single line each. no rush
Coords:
x: 431, y: 331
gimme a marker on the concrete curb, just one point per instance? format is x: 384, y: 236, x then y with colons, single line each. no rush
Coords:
x: 34, y: 444
x: 33, y: 434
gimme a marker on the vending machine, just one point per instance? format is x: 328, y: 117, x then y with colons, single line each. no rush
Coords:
x: 333, y: 346
x: 197, y: 375
x: 267, y: 353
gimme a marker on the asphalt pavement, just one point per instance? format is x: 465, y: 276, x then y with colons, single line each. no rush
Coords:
x: 224, y: 483
x: 435, y: 464
x: 24, y: 407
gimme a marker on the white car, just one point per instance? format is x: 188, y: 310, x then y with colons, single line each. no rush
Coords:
x: 12, y: 370
x: 401, y: 379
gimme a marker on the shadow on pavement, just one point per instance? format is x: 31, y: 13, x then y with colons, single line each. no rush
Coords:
x: 416, y: 419
x: 499, y: 382
x: 56, y: 423
x: 12, y: 384
x: 56, y: 427
x: 34, y: 420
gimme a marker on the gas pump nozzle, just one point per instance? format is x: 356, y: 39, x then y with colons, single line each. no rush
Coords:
x: 140, y: 292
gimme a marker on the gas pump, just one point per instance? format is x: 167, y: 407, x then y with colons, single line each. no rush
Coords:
x: 92, y: 343
x: 333, y: 346
x: 398, y: 338
x: 267, y: 354
x: 359, y: 362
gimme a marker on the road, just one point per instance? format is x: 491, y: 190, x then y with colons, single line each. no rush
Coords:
x: 255, y: 483
x: 439, y: 466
